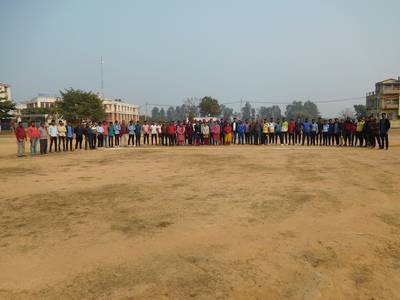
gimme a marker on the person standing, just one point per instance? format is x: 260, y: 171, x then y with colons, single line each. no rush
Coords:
x: 306, y: 128
x: 359, y: 131
x: 319, y: 138
x: 347, y: 131
x: 100, y: 135
x: 228, y: 133
x: 20, y: 135
x: 314, y: 132
x: 205, y: 131
x: 124, y: 134
x: 331, y: 133
x: 235, y: 127
x: 197, y: 133
x: 291, y: 131
x: 181, y: 134
x: 138, y: 133
x: 216, y: 133
x: 384, y: 126
x: 131, y: 132
x: 336, y: 131
x: 325, y: 133
x: 105, y: 134
x: 278, y: 128
x: 70, y: 135
x: 222, y: 125
x: 284, y: 131
x: 247, y: 132
x: 78, y: 130
x: 240, y: 133
x: 265, y: 132
x: 159, y: 133
x: 353, y: 131
x: 189, y: 133
x: 172, y: 134
x: 271, y: 131
x: 374, y: 127
x: 93, y: 139
x: 298, y: 132
x: 154, y: 133
x: 146, y: 132
x: 111, y: 134
x: 117, y: 131
x: 62, y: 130
x: 43, y: 138
x: 53, y: 132
x: 33, y: 135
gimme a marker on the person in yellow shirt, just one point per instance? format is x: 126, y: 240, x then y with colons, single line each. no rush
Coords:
x: 61, y: 135
x: 360, y: 131
x: 265, y: 132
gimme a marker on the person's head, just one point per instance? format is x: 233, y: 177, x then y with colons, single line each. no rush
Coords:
x: 330, y: 120
x: 336, y: 119
x: 283, y: 119
x: 116, y: 121
x: 32, y: 123
x: 110, y: 124
x: 325, y: 121
x: 69, y: 123
x: 313, y: 120
x: 99, y: 123
x: 271, y: 119
x: 291, y: 120
x: 383, y: 115
x: 306, y: 119
x: 20, y: 124
x: 41, y: 124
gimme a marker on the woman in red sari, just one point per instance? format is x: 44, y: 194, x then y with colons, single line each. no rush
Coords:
x: 181, y: 134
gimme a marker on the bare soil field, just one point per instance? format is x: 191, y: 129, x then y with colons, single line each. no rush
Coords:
x: 236, y: 222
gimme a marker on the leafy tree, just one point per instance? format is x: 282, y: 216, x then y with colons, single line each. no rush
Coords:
x: 246, y: 111
x: 170, y: 114
x: 162, y: 114
x: 209, y: 106
x: 253, y: 113
x: 226, y: 112
x: 155, y: 113
x: 360, y: 111
x: 192, y: 107
x: 5, y: 107
x: 297, y: 110
x: 270, y: 112
x: 78, y: 105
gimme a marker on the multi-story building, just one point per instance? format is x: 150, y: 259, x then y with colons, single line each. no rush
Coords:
x: 119, y: 110
x: 43, y: 101
x: 5, y: 91
x: 385, y: 99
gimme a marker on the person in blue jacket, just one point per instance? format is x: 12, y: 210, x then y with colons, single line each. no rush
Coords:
x: 306, y: 131
x: 138, y: 132
x: 241, y: 131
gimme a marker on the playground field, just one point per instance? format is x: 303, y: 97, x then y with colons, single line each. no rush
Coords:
x: 228, y: 222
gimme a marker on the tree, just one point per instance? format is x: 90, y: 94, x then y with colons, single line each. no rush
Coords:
x: 192, y: 107
x: 226, y: 112
x: 347, y: 113
x: 298, y: 110
x: 360, y: 111
x: 246, y: 111
x: 170, y: 114
x: 209, y: 106
x: 5, y: 107
x: 155, y: 113
x: 78, y: 105
x: 270, y: 112
x: 162, y: 114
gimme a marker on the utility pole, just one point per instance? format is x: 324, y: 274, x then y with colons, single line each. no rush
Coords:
x: 101, y: 77
x: 147, y: 106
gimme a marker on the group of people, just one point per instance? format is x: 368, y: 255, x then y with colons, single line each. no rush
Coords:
x: 368, y: 132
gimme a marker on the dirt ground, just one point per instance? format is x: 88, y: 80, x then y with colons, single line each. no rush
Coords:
x: 238, y: 222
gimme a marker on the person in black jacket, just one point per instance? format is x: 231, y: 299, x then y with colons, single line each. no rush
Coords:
x: 384, y: 126
x: 78, y: 130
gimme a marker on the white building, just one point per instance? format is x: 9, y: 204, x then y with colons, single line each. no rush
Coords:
x: 43, y: 101
x: 5, y: 91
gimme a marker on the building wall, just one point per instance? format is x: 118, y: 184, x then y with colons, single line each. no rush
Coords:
x: 118, y: 110
x: 5, y: 91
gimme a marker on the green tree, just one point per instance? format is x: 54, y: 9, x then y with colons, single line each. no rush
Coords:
x: 5, y: 107
x: 155, y: 113
x: 361, y: 111
x: 273, y: 111
x: 170, y: 113
x: 78, y: 105
x: 246, y: 111
x: 297, y: 110
x: 209, y: 106
x: 162, y: 114
x: 226, y: 112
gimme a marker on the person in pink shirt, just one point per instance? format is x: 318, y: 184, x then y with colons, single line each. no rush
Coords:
x: 33, y: 135
x: 146, y: 133
x: 181, y: 134
x: 216, y: 132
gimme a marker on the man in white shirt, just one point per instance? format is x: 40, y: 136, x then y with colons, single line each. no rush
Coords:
x: 271, y: 131
x: 100, y: 135
x: 53, y: 133
x: 153, y: 130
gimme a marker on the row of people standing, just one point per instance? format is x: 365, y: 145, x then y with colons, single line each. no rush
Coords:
x: 332, y: 132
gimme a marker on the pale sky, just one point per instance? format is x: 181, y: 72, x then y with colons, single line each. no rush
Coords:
x: 165, y: 51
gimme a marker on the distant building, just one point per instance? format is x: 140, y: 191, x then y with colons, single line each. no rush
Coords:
x: 43, y: 101
x: 385, y: 99
x: 119, y: 110
x: 5, y: 91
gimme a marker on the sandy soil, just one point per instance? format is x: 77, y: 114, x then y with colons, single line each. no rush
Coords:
x: 239, y: 222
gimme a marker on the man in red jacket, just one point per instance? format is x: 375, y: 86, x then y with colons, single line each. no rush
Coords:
x: 172, y: 133
x: 20, y: 134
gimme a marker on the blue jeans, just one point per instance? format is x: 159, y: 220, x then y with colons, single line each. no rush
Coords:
x: 33, y: 145
x: 241, y: 138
